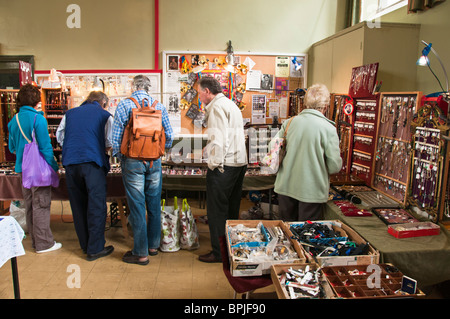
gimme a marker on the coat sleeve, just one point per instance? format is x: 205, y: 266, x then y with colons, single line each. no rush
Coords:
x: 333, y: 153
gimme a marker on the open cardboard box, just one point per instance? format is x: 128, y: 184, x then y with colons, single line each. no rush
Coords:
x: 240, y: 268
x: 372, y: 257
x: 282, y: 292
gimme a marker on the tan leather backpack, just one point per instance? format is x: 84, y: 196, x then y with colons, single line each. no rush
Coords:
x: 144, y: 137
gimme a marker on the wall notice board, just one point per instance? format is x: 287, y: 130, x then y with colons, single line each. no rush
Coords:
x: 259, y: 84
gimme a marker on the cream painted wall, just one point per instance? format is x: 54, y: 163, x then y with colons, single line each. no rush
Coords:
x: 289, y: 26
x: 118, y: 34
x: 114, y: 34
x: 435, y: 28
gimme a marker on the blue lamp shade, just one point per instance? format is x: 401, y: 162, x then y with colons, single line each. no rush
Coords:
x: 423, y: 60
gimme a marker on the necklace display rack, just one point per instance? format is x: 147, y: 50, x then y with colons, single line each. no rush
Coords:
x: 444, y: 210
x: 341, y: 112
x: 364, y: 135
x: 7, y: 111
x: 427, y: 159
x: 441, y: 102
x: 393, y: 144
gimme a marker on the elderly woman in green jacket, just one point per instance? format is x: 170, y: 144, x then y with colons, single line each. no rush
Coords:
x: 312, y: 154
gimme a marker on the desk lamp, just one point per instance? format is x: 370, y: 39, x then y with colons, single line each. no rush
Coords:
x: 424, y: 61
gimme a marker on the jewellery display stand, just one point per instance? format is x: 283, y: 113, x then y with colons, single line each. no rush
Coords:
x: 364, y: 136
x: 7, y: 111
x: 55, y: 103
x: 427, y: 159
x: 393, y: 144
x: 344, y: 122
x: 444, y: 209
x: 341, y: 112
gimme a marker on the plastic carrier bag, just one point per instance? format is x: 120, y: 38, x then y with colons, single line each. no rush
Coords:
x: 170, y: 236
x: 188, y: 228
x: 36, y: 172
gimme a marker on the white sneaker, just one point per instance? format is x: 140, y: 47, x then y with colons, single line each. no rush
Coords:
x: 56, y: 246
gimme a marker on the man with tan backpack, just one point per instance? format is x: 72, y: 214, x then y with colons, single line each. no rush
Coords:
x: 141, y: 131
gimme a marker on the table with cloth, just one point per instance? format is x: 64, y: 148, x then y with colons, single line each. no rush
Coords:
x: 425, y: 259
x: 11, y: 236
x: 10, y: 188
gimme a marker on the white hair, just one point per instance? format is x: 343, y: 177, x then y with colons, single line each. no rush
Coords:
x: 317, y: 97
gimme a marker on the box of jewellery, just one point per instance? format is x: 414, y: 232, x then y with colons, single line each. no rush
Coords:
x: 300, y: 281
x: 255, y: 245
x: 394, y: 216
x: 369, y: 281
x: 333, y: 243
x: 414, y: 230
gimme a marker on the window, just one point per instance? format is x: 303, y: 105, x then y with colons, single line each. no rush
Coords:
x: 372, y: 9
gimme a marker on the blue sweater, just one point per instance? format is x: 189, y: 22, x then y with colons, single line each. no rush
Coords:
x: 84, y: 136
x: 17, y: 141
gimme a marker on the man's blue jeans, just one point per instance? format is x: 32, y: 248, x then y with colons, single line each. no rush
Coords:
x: 143, y: 189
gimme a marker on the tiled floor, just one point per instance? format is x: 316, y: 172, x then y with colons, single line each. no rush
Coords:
x: 177, y: 275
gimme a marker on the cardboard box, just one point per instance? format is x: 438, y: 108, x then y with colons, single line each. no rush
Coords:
x: 414, y: 230
x: 241, y: 268
x: 283, y: 293
x: 372, y: 257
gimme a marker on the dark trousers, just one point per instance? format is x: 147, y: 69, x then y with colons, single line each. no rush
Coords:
x: 86, y: 185
x: 223, y: 200
x: 290, y: 209
x: 37, y: 209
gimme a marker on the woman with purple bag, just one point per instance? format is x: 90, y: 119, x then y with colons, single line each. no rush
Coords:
x: 37, y: 199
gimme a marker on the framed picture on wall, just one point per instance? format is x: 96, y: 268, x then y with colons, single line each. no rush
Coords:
x: 173, y: 62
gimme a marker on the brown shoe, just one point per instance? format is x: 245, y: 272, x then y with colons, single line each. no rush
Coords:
x: 134, y: 259
x: 209, y: 258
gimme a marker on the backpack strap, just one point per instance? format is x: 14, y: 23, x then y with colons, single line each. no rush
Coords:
x: 135, y: 102
x: 155, y: 102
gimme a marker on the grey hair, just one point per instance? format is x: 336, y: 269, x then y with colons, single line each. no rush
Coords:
x: 210, y: 83
x: 141, y: 82
x: 317, y: 97
x: 97, y: 96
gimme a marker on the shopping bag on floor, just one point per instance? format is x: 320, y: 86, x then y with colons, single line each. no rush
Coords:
x: 170, y: 237
x: 188, y: 228
x: 17, y: 210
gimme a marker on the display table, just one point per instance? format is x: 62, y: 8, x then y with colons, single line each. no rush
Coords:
x: 11, y: 189
x: 425, y: 259
x: 11, y: 235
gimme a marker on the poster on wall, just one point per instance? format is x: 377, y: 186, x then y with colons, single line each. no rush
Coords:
x: 297, y: 64
x: 25, y: 73
x: 116, y: 84
x: 253, y: 80
x: 282, y: 66
x: 173, y: 62
x: 258, y: 109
